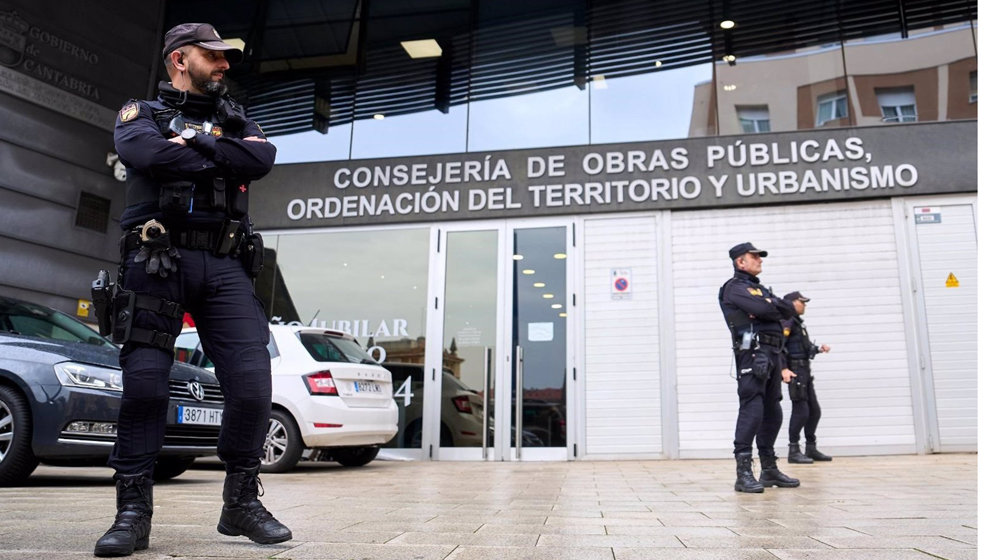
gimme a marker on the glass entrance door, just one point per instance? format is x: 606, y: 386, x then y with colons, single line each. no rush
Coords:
x: 539, y: 343
x: 504, y: 355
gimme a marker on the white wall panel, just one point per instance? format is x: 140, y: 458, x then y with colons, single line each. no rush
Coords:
x: 946, y: 247
x: 622, y: 356
x: 842, y: 256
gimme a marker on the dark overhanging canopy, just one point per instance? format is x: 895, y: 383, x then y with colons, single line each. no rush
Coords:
x: 310, y: 64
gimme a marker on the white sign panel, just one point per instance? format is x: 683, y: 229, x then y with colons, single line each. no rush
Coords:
x: 621, y: 283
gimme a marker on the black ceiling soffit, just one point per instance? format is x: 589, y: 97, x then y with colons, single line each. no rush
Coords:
x: 310, y: 64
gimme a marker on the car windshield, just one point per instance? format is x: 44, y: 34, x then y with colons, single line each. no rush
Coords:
x: 20, y: 317
x: 327, y: 348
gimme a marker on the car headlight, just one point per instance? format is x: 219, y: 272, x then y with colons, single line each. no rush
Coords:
x: 72, y: 374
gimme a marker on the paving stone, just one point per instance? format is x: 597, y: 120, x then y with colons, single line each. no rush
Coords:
x: 912, y: 507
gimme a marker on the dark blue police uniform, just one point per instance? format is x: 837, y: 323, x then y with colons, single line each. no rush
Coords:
x: 805, y: 410
x: 754, y: 309
x: 198, y: 195
x: 753, y: 315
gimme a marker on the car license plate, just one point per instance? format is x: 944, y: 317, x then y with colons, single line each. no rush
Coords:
x: 198, y: 415
x: 367, y: 387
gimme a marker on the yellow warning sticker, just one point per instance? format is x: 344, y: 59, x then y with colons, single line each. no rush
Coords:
x: 951, y: 281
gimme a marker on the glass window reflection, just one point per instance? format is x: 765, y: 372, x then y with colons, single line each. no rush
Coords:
x: 653, y: 106
x: 924, y: 77
x: 311, y: 146
x: 557, y: 117
x: 371, y: 284
x: 415, y: 134
x: 798, y: 90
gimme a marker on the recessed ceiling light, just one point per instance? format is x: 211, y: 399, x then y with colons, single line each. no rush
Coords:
x: 378, y: 116
x: 658, y: 63
x: 556, y: 306
x: 517, y: 257
x: 729, y: 87
x: 425, y: 48
x: 529, y: 271
x: 539, y: 284
x: 547, y: 296
x: 560, y: 256
x: 727, y: 24
x: 562, y: 314
x: 729, y: 58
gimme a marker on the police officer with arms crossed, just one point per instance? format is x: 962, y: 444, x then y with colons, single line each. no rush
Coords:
x: 753, y: 315
x: 805, y: 412
x: 188, y: 246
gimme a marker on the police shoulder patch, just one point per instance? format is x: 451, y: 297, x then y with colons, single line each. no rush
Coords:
x: 129, y: 111
x: 756, y: 292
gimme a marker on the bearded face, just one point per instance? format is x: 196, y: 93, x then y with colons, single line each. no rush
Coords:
x: 206, y: 71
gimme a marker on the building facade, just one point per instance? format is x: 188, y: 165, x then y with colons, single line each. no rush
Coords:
x: 549, y: 253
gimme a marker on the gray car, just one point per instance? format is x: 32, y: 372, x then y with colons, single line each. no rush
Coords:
x: 60, y: 390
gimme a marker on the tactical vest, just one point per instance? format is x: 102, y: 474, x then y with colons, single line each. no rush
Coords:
x: 179, y: 198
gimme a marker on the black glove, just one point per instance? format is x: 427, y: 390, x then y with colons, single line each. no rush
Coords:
x: 160, y: 255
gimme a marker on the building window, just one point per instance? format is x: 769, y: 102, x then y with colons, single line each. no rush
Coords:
x: 832, y: 106
x: 754, y: 118
x: 972, y: 86
x: 897, y: 104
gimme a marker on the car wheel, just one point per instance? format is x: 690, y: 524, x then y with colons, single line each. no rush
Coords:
x: 283, y: 446
x: 354, y: 456
x: 413, y: 436
x: 17, y: 461
x: 171, y: 467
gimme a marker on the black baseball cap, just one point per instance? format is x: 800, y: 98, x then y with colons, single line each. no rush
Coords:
x: 743, y: 248
x: 202, y: 35
x: 796, y: 296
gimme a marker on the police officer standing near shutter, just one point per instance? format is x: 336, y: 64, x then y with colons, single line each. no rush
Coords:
x: 753, y: 315
x: 190, y: 156
x: 805, y: 412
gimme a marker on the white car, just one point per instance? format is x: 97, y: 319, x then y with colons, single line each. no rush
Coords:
x: 329, y: 398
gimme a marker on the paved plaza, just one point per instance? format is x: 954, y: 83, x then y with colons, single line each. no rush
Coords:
x: 885, y: 508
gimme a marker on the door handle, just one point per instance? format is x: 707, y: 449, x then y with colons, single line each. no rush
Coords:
x: 519, y: 401
x: 484, y: 403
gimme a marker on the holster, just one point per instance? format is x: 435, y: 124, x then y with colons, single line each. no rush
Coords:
x: 102, y: 294
x: 253, y: 254
x: 123, y: 316
x: 798, y: 389
x: 761, y: 365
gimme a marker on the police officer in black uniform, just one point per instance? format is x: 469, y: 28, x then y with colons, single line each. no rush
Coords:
x: 753, y: 315
x: 190, y: 155
x: 805, y: 412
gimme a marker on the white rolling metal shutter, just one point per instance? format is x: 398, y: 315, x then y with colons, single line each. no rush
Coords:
x: 622, y: 355
x: 842, y: 256
x: 948, y: 277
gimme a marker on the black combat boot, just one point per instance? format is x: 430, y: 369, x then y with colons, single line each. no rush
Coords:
x: 771, y: 476
x: 132, y: 526
x: 745, y: 481
x: 815, y: 454
x: 794, y: 454
x: 243, y: 513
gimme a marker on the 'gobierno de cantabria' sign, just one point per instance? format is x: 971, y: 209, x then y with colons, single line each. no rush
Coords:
x: 693, y: 173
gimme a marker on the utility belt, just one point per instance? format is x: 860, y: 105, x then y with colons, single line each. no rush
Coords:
x: 749, y: 340
x: 799, y: 362
x: 225, y: 239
